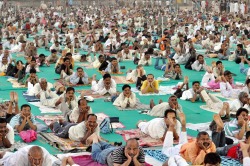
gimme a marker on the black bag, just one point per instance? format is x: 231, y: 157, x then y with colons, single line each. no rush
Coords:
x: 9, y: 71
x: 58, y: 69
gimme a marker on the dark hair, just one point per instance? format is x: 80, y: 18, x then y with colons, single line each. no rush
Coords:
x: 247, y: 81
x: 32, y: 70
x: 247, y: 134
x: 53, y: 51
x: 79, y: 101
x: 218, y: 62
x: 176, y: 65
x: 70, y: 89
x: 24, y: 106
x: 91, y: 115
x: 169, y: 111
x: 3, y: 120
x: 201, y: 133
x: 106, y: 76
x: 212, y: 158
x: 68, y: 54
x: 199, y: 56
x: 65, y: 59
x: 226, y: 73
x: 126, y: 86
x: 240, y: 110
x: 240, y: 45
x: 151, y: 75
x: 113, y: 59
x: 100, y: 56
x: 195, y: 82
x: 41, y: 55
x: 79, y: 68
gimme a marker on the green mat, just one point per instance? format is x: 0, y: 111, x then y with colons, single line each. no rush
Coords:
x: 129, y: 118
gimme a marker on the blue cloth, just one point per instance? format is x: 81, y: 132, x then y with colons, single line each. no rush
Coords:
x: 157, y: 154
x: 30, y: 98
x: 100, y: 151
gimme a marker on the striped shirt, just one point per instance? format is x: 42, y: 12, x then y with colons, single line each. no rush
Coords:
x: 118, y: 157
x: 231, y: 128
x: 17, y: 120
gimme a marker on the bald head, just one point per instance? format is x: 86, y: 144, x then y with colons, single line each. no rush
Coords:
x: 35, y: 150
x: 35, y: 156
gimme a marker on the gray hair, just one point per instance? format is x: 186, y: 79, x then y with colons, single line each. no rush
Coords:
x: 241, y: 94
x: 42, y: 79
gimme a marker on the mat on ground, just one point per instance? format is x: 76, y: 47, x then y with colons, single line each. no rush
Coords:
x: 65, y: 145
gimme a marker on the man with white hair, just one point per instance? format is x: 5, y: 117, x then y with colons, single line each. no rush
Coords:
x: 39, y: 87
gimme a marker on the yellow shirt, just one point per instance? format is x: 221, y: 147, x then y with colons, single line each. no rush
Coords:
x: 150, y: 90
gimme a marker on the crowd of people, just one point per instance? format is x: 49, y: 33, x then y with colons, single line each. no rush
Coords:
x: 168, y: 39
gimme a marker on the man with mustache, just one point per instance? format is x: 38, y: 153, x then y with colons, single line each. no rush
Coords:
x: 159, y: 109
x: 104, y: 153
x: 25, y: 120
x: 194, y: 151
x: 77, y: 132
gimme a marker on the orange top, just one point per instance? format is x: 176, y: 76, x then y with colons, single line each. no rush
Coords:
x: 192, y: 153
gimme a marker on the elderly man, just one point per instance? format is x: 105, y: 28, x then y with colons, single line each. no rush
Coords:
x: 28, y: 155
x: 150, y: 85
x: 43, y: 85
x: 157, y: 128
x: 77, y: 132
x: 106, y: 85
x: 159, y: 109
x: 80, y: 77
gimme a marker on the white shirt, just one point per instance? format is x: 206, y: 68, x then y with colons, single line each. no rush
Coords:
x: 122, y: 101
x: 20, y: 157
x: 197, y: 66
x: 143, y: 61
x: 236, y: 104
x: 102, y: 90
x: 37, y: 88
x: 157, y: 127
x: 77, y: 132
x: 75, y: 114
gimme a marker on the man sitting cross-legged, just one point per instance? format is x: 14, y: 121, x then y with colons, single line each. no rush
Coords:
x: 158, y: 127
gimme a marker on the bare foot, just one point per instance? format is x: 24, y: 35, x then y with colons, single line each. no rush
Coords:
x: 219, y: 123
x: 182, y: 118
x: 152, y: 104
x: 94, y: 77
x: 160, y: 101
x: 15, y: 97
x: 12, y: 97
x: 185, y: 80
